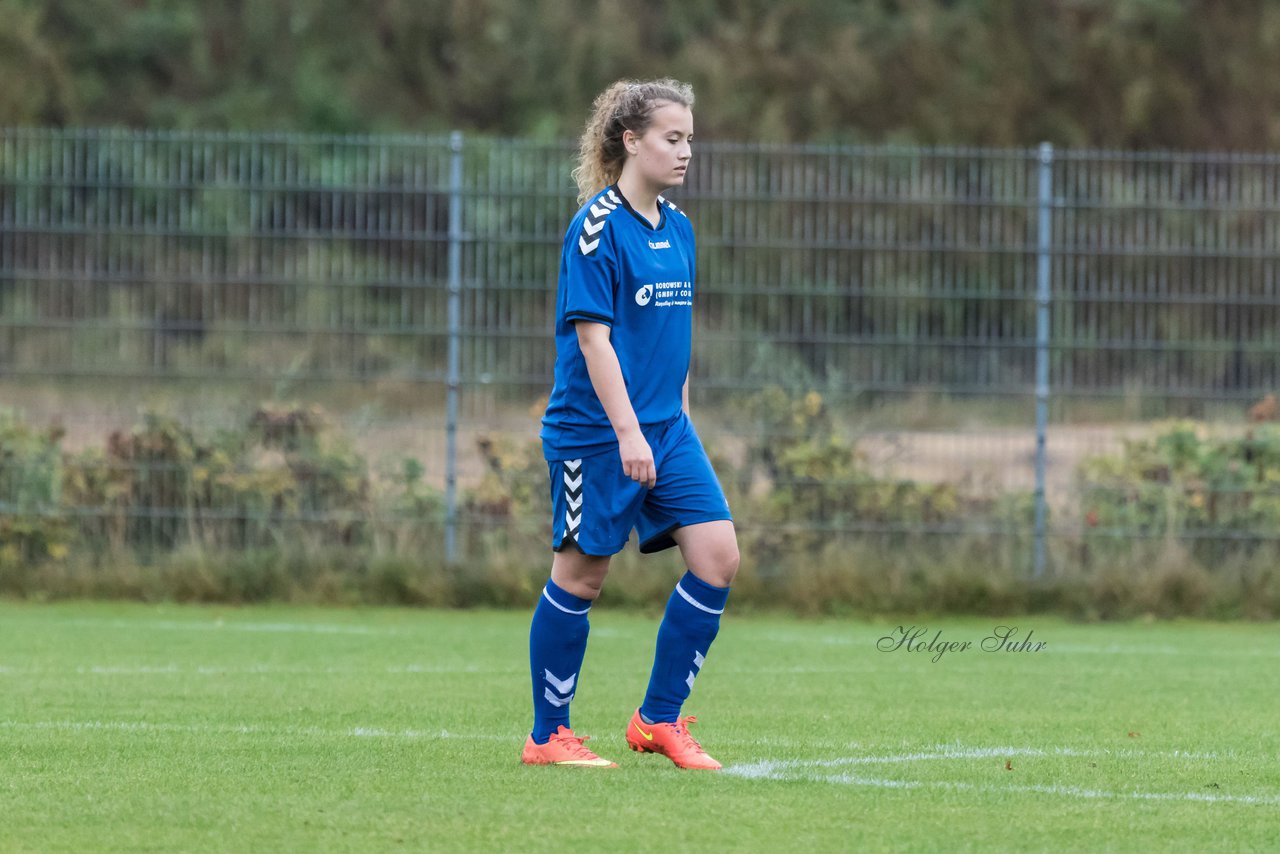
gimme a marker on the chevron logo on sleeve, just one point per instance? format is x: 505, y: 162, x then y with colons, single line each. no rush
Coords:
x: 572, y: 476
x: 589, y: 240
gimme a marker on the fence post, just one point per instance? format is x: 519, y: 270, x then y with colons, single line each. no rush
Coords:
x: 453, y: 379
x: 1043, y: 295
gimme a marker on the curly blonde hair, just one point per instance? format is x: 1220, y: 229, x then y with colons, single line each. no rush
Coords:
x: 626, y: 105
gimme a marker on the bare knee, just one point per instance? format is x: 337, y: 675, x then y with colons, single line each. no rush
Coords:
x: 578, y: 574
x: 710, y: 551
x: 723, y: 564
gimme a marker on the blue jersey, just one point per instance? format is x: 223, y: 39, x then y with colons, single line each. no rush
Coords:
x: 616, y: 268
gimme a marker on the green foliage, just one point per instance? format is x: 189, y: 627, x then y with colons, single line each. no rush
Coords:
x: 1185, y: 482
x: 816, y: 491
x: 288, y: 481
x: 288, y: 474
x: 285, y: 509
x: 32, y: 527
x: 984, y: 72
x: 804, y: 501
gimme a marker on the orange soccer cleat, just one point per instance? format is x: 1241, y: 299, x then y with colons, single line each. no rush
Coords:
x: 563, y: 748
x: 671, y: 740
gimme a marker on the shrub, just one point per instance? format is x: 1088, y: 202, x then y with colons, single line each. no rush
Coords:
x: 33, y: 526
x: 1218, y: 495
x: 285, y: 509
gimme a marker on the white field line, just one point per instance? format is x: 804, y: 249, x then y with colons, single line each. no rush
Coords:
x: 822, y: 640
x: 223, y: 626
x: 849, y: 667
x: 246, y: 670
x: 810, y: 770
x: 253, y: 729
x: 1062, y: 791
x: 259, y: 669
x: 869, y: 641
x: 764, y: 769
x: 781, y: 770
x: 776, y: 768
x: 1131, y: 649
x: 516, y: 738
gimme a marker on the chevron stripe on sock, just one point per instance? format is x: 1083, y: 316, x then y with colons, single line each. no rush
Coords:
x: 557, y: 643
x: 688, y: 627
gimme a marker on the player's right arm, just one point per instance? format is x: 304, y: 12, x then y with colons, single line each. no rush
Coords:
x: 606, y: 379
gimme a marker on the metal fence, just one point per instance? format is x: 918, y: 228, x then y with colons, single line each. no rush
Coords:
x: 243, y: 338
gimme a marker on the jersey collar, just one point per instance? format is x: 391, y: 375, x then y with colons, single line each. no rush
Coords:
x: 662, y: 214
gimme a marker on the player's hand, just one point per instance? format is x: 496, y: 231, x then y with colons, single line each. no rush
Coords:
x: 637, y: 459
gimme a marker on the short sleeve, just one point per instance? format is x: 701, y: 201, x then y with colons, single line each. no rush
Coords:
x: 591, y: 276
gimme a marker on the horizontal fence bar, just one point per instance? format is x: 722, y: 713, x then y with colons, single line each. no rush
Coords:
x: 841, y: 289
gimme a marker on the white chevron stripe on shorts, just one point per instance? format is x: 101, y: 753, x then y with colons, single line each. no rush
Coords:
x: 573, y: 496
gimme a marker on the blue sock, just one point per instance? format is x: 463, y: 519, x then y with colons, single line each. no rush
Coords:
x: 688, y: 628
x: 557, y: 643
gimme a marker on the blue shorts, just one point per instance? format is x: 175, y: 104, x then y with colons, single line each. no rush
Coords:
x: 596, y: 505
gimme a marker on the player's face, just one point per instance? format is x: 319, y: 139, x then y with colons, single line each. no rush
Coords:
x: 662, y: 154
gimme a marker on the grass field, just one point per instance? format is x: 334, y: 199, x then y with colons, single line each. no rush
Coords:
x: 130, y: 727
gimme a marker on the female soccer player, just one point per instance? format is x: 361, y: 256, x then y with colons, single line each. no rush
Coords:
x: 619, y: 444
